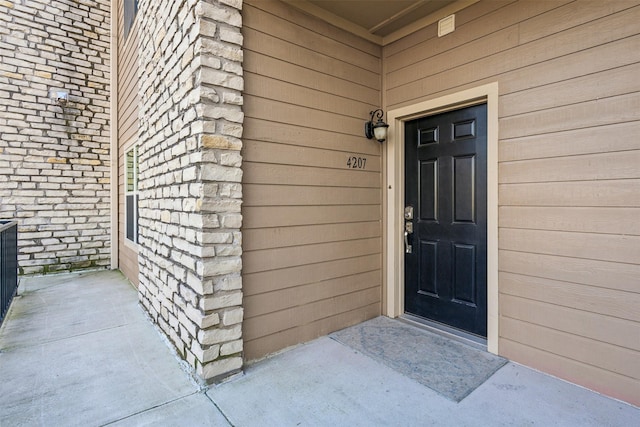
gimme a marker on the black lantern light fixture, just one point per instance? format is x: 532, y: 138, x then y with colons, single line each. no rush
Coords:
x: 377, y: 130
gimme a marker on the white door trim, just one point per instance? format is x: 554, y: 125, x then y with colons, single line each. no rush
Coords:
x: 393, y: 283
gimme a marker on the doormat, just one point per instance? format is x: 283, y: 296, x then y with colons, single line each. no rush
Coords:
x: 448, y: 367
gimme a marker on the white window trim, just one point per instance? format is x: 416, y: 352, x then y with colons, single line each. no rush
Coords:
x: 133, y: 244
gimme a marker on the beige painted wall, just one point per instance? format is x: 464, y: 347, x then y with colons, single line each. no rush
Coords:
x: 569, y: 173
x: 127, y: 133
x: 312, y: 226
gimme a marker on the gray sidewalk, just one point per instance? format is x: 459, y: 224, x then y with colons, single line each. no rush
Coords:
x: 78, y: 350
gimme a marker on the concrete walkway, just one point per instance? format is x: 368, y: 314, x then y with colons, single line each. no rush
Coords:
x: 78, y: 350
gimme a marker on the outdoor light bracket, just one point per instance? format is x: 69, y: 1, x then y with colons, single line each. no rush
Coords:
x: 377, y: 130
x: 61, y: 97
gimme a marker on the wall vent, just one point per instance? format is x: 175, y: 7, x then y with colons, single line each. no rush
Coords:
x: 446, y: 25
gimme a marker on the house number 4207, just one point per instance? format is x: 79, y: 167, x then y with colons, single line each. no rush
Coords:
x: 356, y: 162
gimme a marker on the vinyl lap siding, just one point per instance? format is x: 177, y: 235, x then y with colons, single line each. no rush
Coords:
x: 127, y: 132
x: 569, y: 173
x: 312, y: 228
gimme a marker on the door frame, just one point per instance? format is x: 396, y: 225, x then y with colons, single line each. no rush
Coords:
x: 393, y: 198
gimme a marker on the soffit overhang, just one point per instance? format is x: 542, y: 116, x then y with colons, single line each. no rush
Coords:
x: 381, y: 21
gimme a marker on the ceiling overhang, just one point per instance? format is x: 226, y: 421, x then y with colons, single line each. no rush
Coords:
x: 381, y: 21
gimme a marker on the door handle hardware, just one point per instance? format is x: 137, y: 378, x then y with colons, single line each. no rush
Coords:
x: 408, y: 227
x: 408, y: 249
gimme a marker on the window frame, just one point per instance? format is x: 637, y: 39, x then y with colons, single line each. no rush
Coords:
x: 131, y: 231
x: 129, y: 11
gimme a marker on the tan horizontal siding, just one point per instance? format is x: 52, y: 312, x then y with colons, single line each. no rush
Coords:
x: 272, y: 280
x: 601, y: 166
x: 602, y: 57
x: 303, y: 332
x: 290, y: 256
x: 293, y: 16
x: 280, y: 237
x: 264, y: 43
x: 601, y: 300
x: 275, y: 68
x: 292, y: 316
x: 418, y: 39
x: 598, y: 246
x: 603, y: 139
x: 257, y: 129
x: 602, y: 274
x: 599, y: 85
x: 311, y: 225
x: 327, y: 44
x: 279, y: 300
x: 613, y: 358
x: 262, y: 173
x: 593, y: 377
x: 301, y: 115
x: 556, y: 46
x: 318, y: 99
x: 406, y: 60
x: 296, y: 195
x: 289, y: 154
x: 572, y: 321
x: 569, y: 173
x: 579, y: 219
x: 620, y: 193
x: 282, y: 216
x: 127, y: 133
x: 591, y: 113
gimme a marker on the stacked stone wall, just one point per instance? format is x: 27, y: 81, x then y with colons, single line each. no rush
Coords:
x: 54, y: 161
x: 190, y: 62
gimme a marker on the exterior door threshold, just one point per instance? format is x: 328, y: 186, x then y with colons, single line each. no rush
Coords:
x: 445, y: 331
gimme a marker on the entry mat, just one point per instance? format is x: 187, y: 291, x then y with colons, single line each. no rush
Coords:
x: 446, y: 366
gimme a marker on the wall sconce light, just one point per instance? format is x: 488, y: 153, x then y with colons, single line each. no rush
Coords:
x: 61, y: 98
x: 377, y: 129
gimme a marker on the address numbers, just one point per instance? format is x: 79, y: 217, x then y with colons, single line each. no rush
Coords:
x: 354, y: 162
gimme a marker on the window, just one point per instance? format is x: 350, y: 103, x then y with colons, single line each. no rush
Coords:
x: 131, y: 194
x: 130, y: 11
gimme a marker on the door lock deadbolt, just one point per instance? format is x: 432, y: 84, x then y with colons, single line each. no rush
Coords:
x: 408, y: 213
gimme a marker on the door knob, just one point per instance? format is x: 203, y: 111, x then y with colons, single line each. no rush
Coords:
x: 408, y: 228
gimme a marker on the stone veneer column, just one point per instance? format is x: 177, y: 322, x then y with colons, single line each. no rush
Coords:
x: 190, y: 68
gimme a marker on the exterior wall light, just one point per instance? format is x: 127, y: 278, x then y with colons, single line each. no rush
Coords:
x: 377, y: 129
x: 61, y: 98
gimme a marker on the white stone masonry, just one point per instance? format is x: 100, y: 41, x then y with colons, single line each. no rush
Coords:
x: 190, y: 70
x: 54, y: 159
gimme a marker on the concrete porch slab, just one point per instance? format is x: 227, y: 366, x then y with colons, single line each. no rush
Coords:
x: 77, y: 350
x: 328, y: 384
x: 50, y: 308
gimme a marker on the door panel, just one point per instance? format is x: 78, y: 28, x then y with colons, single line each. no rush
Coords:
x: 428, y: 208
x: 445, y: 182
x: 429, y: 260
x: 463, y: 189
x: 464, y: 268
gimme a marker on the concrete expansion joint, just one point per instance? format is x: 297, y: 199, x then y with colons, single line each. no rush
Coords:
x: 151, y: 408
x: 224, y: 414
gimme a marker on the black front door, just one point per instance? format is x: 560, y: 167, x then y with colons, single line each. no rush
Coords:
x: 446, y: 218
